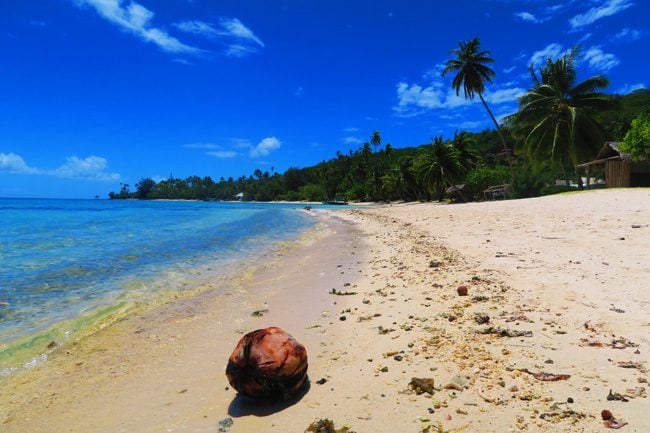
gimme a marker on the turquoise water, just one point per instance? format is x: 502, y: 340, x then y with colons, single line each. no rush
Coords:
x: 65, y: 264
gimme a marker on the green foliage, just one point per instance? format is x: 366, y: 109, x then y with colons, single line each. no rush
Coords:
x: 637, y: 139
x: 145, y: 187
x: 386, y: 174
x: 555, y: 189
x: 472, y: 73
x: 557, y: 119
x: 356, y: 192
x: 480, y: 179
x: 311, y: 192
x: 529, y: 181
x: 470, y: 67
x: 409, y: 173
x: 617, y: 121
x: 438, y: 167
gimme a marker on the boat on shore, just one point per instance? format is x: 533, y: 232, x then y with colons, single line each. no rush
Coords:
x: 338, y: 201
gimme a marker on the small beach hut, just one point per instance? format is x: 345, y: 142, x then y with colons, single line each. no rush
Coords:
x: 620, y: 170
x: 239, y: 196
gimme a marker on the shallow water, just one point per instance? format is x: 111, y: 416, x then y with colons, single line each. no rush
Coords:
x: 71, y: 266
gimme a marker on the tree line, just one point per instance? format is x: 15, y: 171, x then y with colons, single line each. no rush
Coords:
x: 561, y: 122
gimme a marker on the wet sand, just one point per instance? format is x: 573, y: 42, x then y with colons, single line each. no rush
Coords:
x: 164, y: 369
x: 557, y: 285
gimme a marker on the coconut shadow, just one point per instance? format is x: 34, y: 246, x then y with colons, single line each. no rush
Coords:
x: 245, y: 406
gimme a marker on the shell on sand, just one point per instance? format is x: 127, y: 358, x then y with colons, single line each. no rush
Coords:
x: 267, y: 364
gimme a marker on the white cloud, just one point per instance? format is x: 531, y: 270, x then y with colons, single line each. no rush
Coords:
x: 136, y: 19
x: 604, y: 9
x: 299, y: 91
x: 239, y: 40
x: 453, y: 100
x: 509, y: 70
x: 600, y: 60
x: 89, y: 168
x: 351, y: 129
x: 415, y: 96
x: 264, y: 147
x: 223, y: 153
x: 199, y: 28
x: 434, y: 74
x: 240, y: 143
x: 414, y: 99
x: 12, y: 163
x: 235, y: 28
x: 470, y: 124
x: 584, y: 38
x: 239, y: 50
x: 502, y: 96
x: 552, y: 51
x: 628, y: 88
x: 202, y: 146
x: 628, y: 35
x: 555, y: 8
x: 527, y: 16
x: 352, y: 140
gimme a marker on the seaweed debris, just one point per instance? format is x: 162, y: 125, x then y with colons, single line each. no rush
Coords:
x: 326, y: 426
x: 340, y: 293
x: 546, y: 377
x: 504, y: 332
x: 259, y: 313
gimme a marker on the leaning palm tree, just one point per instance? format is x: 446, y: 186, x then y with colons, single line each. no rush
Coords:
x: 472, y: 74
x: 557, y: 118
x: 438, y: 167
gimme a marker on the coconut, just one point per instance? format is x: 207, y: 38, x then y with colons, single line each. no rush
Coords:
x: 268, y: 364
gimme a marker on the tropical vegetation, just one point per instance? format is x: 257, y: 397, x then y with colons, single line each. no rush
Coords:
x: 472, y: 74
x: 637, y: 139
x: 561, y: 122
x: 558, y: 118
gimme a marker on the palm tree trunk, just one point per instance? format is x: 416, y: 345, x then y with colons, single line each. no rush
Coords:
x: 503, y: 141
x: 580, y: 185
x: 566, y: 177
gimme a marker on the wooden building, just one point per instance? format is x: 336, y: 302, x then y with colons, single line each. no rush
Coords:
x: 620, y: 170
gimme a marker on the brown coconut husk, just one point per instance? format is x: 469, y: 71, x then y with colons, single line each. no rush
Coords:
x: 268, y: 364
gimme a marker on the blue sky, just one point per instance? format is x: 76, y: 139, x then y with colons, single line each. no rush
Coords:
x: 94, y: 93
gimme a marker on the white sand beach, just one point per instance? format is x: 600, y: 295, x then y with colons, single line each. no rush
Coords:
x: 556, y: 285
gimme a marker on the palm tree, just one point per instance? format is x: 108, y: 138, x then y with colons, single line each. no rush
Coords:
x: 463, y: 143
x: 438, y: 167
x: 375, y: 139
x: 366, y: 152
x: 390, y: 151
x: 557, y: 117
x: 392, y: 183
x: 472, y: 74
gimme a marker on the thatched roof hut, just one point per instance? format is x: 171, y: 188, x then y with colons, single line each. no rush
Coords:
x: 620, y: 170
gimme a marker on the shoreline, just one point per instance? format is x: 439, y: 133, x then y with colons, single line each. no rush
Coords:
x: 138, y: 293
x: 556, y: 285
x: 162, y: 357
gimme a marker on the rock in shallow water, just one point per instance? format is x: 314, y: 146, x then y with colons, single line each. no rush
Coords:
x: 268, y: 364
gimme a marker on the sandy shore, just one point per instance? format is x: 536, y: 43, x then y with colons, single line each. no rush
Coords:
x: 560, y: 284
